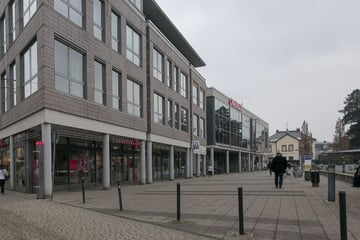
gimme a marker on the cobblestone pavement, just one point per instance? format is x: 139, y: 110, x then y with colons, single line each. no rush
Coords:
x: 209, y: 210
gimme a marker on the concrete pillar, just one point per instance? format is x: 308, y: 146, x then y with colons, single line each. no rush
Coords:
x: 239, y: 162
x: 106, y: 162
x: 253, y: 162
x: 227, y: 163
x: 171, y: 164
x: 46, y: 139
x: 212, y: 159
x: 249, y: 163
x: 191, y: 163
x: 204, y: 165
x: 149, y: 162
x: 12, y: 161
x: 198, y: 162
x: 187, y: 167
x: 142, y: 163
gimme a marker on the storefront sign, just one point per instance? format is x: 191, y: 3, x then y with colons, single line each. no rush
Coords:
x: 127, y: 141
x: 235, y: 104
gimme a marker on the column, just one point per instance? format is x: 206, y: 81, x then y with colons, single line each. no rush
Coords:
x: 149, y: 162
x: 249, y: 163
x: 253, y: 162
x: 198, y: 164
x: 142, y: 163
x: 191, y: 165
x: 212, y: 159
x: 46, y: 139
x: 187, y: 167
x: 227, y: 162
x: 106, y: 162
x: 12, y: 167
x: 239, y: 162
x: 171, y: 164
x: 204, y: 165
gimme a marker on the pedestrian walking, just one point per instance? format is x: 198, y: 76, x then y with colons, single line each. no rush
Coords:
x: 3, y: 176
x: 210, y: 171
x: 278, y: 166
x: 269, y: 167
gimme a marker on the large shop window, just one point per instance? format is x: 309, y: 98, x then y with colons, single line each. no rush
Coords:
x: 134, y: 98
x: 69, y: 67
x: 30, y: 70
x: 71, y: 9
x: 133, y: 46
x: 28, y: 9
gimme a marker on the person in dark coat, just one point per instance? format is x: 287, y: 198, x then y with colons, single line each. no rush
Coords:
x: 278, y: 165
x: 269, y: 167
x: 356, y: 180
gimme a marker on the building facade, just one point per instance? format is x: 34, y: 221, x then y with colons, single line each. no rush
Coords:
x: 237, y: 140
x: 100, y: 91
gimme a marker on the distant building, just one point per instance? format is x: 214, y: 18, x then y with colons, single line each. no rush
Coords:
x: 287, y: 143
x: 321, y: 147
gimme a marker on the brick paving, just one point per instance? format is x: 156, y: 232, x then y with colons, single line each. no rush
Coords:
x: 209, y: 210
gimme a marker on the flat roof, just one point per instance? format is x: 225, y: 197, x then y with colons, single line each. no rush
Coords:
x: 153, y: 12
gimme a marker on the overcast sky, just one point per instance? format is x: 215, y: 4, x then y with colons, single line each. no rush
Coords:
x: 286, y: 60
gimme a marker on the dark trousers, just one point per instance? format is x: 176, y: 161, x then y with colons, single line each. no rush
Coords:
x: 279, y: 179
x: 2, y: 183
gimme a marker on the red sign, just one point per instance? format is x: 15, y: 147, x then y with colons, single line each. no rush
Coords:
x: 39, y: 143
x: 128, y: 141
x: 235, y: 104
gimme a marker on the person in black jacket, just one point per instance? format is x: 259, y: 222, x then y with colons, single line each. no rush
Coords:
x: 278, y: 166
x: 356, y: 179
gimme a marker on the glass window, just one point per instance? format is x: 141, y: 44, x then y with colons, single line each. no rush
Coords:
x: 291, y: 148
x: 115, y: 32
x: 176, y: 79
x: 98, y: 16
x: 134, y: 98
x: 169, y: 74
x: 183, y: 85
x: 4, y: 95
x: 159, y: 114
x: 116, y: 90
x: 2, y: 36
x: 13, y: 83
x: 184, y: 119
x: 201, y: 99
x: 99, y: 83
x: 170, y: 113
x: 28, y: 10
x: 30, y: 70
x: 158, y: 65
x: 71, y: 9
x: 195, y: 91
x: 177, y: 116
x: 133, y: 51
x: 137, y: 3
x: 69, y: 67
x: 12, y: 21
x: 195, y: 125
x: 283, y: 148
x: 202, y: 128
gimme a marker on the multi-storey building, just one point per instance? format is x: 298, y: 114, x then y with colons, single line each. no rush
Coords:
x: 100, y: 91
x: 237, y: 139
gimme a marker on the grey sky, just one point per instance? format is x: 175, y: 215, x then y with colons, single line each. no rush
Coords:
x: 286, y: 60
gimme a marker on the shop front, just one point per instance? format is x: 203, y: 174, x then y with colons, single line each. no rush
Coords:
x: 125, y: 160
x: 160, y: 161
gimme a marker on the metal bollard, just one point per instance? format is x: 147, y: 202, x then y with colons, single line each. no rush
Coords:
x: 241, y: 211
x: 83, y: 189
x: 178, y: 202
x: 342, y: 208
x: 120, y: 198
x: 331, y: 182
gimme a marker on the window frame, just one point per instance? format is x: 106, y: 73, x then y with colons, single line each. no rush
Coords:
x: 131, y: 103
x: 195, y: 125
x: 12, y: 22
x: 158, y: 65
x: 3, y: 39
x: 183, y: 85
x: 99, y: 89
x: 169, y: 113
x: 117, y: 38
x: 131, y: 54
x: 27, y: 11
x: 116, y: 92
x: 284, y: 148
x: 4, y: 93
x: 33, y: 77
x: 13, y: 84
x: 184, y: 119
x: 159, y: 108
x: 99, y: 26
x: 80, y: 13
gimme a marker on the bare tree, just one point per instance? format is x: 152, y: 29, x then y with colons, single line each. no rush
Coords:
x: 306, y: 141
x: 341, y: 140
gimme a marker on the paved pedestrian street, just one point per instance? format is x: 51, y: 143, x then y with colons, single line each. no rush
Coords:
x: 209, y: 210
